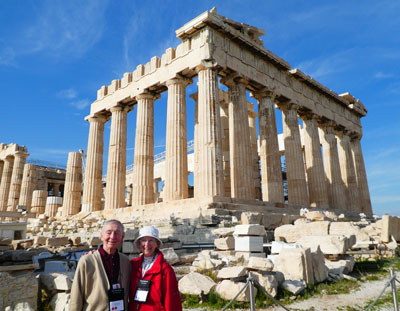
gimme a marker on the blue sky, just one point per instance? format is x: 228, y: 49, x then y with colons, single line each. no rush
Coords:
x: 55, y: 55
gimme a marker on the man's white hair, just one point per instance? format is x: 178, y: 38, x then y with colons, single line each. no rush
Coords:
x: 113, y: 221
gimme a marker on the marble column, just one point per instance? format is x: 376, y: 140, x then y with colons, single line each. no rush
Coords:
x: 255, y: 160
x: 361, y: 175
x: 29, y: 179
x: 348, y: 171
x: 241, y: 173
x: 176, y: 164
x: 196, y: 141
x: 16, y: 181
x: 317, y: 188
x: 295, y: 174
x: 116, y: 167
x: 224, y: 114
x: 39, y: 198
x: 335, y: 184
x: 143, y: 169
x: 210, y: 177
x: 5, y: 182
x: 73, y: 185
x: 1, y: 169
x: 92, y: 186
x: 56, y: 190
x: 270, y: 159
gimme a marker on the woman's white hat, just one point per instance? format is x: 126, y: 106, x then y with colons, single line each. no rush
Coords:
x: 149, y: 231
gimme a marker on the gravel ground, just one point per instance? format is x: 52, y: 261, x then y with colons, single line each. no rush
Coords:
x: 368, y: 291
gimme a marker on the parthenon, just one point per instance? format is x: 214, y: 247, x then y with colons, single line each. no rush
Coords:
x: 218, y: 50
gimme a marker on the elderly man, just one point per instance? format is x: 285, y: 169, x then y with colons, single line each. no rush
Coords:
x: 102, y: 277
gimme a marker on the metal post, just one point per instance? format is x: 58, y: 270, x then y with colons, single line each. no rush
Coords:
x: 394, y: 292
x: 252, y: 296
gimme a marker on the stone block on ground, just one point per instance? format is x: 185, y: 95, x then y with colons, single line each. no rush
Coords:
x: 261, y: 264
x: 22, y: 244
x: 231, y: 272
x: 390, y: 227
x: 19, y: 291
x: 196, y: 284
x: 225, y: 243
x: 223, y: 232
x: 272, y: 221
x: 251, y: 218
x: 347, y: 229
x: 320, y: 270
x: 329, y: 244
x: 247, y: 255
x: 206, y: 260
x: 75, y: 240
x: 249, y: 243
x: 5, y: 241
x: 292, y: 233
x: 316, y: 216
x: 60, y: 302
x: 342, y: 266
x: 58, y: 241
x: 170, y: 256
x: 277, y: 246
x: 131, y: 234
x: 268, y: 281
x: 295, y: 264
x: 94, y: 241
x: 256, y: 230
x: 128, y: 247
x: 293, y: 286
x: 228, y: 289
x: 40, y: 240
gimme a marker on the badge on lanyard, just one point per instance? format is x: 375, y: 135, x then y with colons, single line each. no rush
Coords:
x: 142, y: 291
x: 116, y: 297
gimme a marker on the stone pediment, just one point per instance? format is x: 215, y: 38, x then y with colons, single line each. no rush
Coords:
x: 212, y: 18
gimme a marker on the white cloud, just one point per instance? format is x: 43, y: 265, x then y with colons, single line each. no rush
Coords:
x: 383, y: 75
x: 327, y: 65
x: 67, y: 94
x: 58, y: 29
x: 80, y: 104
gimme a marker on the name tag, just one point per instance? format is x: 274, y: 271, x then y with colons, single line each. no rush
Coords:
x: 116, y: 298
x: 142, y: 291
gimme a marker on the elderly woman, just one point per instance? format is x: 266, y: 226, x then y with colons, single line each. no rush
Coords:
x: 153, y: 281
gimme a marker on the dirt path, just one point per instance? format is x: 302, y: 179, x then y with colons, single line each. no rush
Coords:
x: 368, y: 291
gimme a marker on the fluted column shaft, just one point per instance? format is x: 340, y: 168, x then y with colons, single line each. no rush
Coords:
x: 317, y: 188
x: 296, y: 178
x: 361, y: 175
x: 196, y: 142
x: 29, y: 180
x: 224, y: 114
x: 92, y: 187
x: 5, y: 182
x: 255, y: 160
x: 348, y: 171
x: 270, y: 159
x: 332, y: 167
x: 38, y: 201
x: 210, y: 177
x: 16, y: 181
x: 242, y: 185
x: 143, y: 170
x: 116, y: 167
x: 1, y: 169
x: 73, y: 185
x: 176, y: 165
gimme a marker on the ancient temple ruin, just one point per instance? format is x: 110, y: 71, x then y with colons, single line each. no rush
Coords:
x: 215, y: 48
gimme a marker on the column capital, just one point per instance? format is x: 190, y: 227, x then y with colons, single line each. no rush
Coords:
x: 179, y: 80
x: 234, y: 78
x: 207, y: 64
x: 265, y: 92
x: 21, y: 155
x: 288, y: 105
x: 119, y: 107
x: 147, y: 95
x: 97, y: 118
x: 355, y: 136
x: 326, y: 123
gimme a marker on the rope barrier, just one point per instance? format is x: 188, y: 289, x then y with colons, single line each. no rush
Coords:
x: 270, y: 296
x: 387, y: 284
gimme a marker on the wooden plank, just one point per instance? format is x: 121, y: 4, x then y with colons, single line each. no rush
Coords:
x: 19, y: 267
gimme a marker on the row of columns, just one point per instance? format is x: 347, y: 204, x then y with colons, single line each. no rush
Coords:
x: 12, y: 171
x: 315, y: 178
